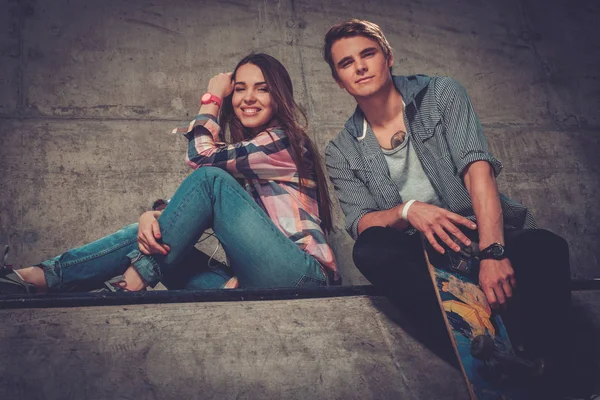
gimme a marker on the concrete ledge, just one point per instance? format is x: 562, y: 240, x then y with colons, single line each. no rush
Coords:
x: 344, y: 347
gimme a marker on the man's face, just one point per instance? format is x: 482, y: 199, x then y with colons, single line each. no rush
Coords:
x: 361, y: 66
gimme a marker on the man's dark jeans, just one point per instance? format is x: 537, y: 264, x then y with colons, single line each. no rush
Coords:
x: 394, y: 261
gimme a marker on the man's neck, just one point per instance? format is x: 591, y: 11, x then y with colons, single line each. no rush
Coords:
x: 383, y: 107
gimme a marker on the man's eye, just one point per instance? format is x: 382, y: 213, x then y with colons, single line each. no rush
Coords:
x: 346, y: 64
x: 370, y: 54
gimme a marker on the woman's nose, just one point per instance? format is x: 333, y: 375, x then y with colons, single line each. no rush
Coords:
x: 249, y: 96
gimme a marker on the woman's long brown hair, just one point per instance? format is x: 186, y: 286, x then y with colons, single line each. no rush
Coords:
x: 285, y: 115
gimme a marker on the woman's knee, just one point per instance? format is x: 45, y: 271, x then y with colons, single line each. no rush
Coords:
x: 207, y: 173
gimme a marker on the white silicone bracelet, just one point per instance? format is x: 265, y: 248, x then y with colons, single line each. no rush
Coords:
x: 405, y: 209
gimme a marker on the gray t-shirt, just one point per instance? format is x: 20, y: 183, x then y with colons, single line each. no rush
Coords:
x: 406, y: 170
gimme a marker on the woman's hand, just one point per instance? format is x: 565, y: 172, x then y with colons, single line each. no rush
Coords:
x: 149, y: 232
x: 436, y: 221
x: 221, y: 85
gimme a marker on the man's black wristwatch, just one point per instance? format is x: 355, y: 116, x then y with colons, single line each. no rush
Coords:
x: 494, y: 251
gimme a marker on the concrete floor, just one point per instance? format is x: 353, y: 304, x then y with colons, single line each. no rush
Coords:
x: 330, y: 348
x: 339, y: 348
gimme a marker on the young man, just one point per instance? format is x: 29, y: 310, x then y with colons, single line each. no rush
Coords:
x: 413, y: 157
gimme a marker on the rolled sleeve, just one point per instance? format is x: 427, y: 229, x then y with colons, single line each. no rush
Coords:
x: 466, y: 139
x: 354, y: 197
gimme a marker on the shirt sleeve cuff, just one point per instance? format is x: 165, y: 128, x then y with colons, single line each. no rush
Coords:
x: 353, y: 227
x: 478, y: 155
x: 207, y: 121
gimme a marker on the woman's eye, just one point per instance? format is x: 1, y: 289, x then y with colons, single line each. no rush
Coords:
x: 264, y: 89
x: 239, y: 89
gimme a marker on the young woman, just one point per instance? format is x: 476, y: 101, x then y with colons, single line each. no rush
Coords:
x: 271, y: 228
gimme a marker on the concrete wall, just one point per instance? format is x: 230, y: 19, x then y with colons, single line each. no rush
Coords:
x: 90, y: 89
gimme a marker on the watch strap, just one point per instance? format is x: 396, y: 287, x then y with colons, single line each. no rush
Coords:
x: 491, y: 252
x: 208, y: 98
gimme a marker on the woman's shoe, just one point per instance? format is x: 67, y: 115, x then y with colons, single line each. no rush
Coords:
x: 113, y: 285
x: 11, y: 283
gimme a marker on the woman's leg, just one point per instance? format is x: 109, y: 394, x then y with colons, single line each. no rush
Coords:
x: 260, y: 254
x: 86, y: 267
x: 197, y: 271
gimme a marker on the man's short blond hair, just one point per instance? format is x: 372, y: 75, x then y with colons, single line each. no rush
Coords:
x: 351, y: 28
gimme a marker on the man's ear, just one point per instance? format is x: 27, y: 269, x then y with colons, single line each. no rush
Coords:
x: 390, y: 60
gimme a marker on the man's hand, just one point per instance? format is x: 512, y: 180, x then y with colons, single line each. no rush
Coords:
x: 432, y: 220
x: 221, y: 85
x: 148, y: 233
x: 497, y: 280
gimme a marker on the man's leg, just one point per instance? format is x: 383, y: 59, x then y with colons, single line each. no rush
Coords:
x: 541, y: 263
x: 394, y: 262
x: 542, y: 299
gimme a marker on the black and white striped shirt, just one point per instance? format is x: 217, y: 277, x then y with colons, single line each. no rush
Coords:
x: 447, y: 137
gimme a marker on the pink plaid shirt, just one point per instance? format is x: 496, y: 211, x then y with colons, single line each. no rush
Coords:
x: 271, y: 178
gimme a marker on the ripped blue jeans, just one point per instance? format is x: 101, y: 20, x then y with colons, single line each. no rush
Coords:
x: 259, y: 253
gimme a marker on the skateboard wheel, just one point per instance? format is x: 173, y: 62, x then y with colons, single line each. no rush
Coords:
x: 482, y: 347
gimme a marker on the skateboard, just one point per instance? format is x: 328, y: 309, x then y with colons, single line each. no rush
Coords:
x: 480, y: 339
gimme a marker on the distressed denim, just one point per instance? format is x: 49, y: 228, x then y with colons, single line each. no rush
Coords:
x: 259, y: 253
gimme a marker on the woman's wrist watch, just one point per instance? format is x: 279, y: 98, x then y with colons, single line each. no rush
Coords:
x: 209, y: 98
x: 494, y: 251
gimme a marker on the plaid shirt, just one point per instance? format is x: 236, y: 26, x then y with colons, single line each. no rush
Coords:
x: 271, y: 178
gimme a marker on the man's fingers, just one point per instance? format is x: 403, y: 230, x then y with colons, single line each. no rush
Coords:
x: 507, y: 289
x: 459, y: 219
x: 450, y: 227
x: 441, y: 233
x: 434, y: 242
x: 491, y: 297
x: 500, y: 297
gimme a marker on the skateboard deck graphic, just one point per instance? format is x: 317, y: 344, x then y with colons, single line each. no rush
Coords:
x: 468, y: 316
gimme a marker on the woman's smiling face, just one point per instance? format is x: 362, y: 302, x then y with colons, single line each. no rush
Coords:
x: 251, y: 98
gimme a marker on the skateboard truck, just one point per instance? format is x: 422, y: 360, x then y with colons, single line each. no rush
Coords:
x: 484, y: 349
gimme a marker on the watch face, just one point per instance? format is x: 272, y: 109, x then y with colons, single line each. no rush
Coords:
x: 497, y: 251
x: 205, y: 98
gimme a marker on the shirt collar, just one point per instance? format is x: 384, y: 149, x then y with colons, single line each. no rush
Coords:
x: 408, y: 86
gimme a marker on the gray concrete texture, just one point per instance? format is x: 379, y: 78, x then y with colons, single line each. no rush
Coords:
x: 89, y: 91
x: 337, y: 348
